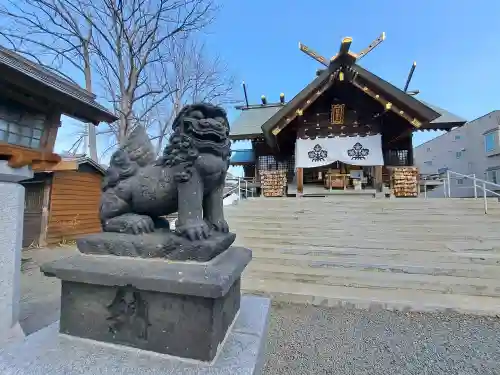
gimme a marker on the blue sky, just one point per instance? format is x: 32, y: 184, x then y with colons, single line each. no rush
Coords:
x: 456, y: 45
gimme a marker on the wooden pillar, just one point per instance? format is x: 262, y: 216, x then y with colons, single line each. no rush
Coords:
x: 52, y: 124
x: 378, y: 178
x: 42, y: 240
x: 410, y: 150
x: 300, y: 181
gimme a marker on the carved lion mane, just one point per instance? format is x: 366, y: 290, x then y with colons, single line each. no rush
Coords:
x: 198, y: 128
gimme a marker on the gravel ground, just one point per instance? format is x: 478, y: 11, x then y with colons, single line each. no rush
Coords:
x: 315, y: 340
x: 309, y: 340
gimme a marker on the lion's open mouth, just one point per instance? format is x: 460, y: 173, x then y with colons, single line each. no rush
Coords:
x: 209, y: 135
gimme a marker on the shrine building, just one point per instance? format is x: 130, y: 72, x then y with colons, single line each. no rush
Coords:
x: 347, y: 129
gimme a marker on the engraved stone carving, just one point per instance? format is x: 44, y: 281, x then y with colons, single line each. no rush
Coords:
x: 139, y: 191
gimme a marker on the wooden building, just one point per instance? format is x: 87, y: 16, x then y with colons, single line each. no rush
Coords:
x: 62, y: 195
x: 63, y: 203
x: 32, y: 101
x: 347, y: 129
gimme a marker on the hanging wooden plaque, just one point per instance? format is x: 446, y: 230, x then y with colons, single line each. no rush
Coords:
x: 338, y: 114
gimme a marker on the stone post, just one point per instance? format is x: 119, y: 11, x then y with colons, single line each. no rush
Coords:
x: 11, y: 235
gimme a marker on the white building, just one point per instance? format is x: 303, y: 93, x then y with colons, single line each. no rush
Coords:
x: 471, y: 149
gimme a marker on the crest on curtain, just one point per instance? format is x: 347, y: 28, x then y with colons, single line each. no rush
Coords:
x: 318, y: 153
x: 357, y: 152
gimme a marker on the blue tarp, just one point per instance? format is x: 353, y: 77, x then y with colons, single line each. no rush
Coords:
x: 239, y: 157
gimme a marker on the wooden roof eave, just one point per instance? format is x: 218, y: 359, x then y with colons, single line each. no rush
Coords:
x: 414, y: 111
x: 396, y: 96
x: 244, y: 137
x: 308, y: 93
x: 68, y: 103
x: 441, y: 127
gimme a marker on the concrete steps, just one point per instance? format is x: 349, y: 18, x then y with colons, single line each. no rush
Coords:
x: 307, y: 205
x: 377, y: 255
x: 423, y: 266
x: 363, y: 298
x: 410, y: 254
x: 375, y: 280
x: 329, y: 236
x: 391, y: 241
x: 370, y: 230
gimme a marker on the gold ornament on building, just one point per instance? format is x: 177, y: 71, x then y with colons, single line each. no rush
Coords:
x: 337, y: 114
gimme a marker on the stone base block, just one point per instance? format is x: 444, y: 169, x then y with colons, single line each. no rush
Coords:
x: 48, y: 352
x: 14, y: 334
x: 159, y: 244
x: 178, y: 308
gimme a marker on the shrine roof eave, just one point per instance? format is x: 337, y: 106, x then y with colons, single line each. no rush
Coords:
x: 397, y: 96
x: 242, y: 157
x: 446, y: 120
x: 248, y: 124
x: 424, y: 113
x: 244, y: 137
x: 51, y: 89
x: 269, y: 125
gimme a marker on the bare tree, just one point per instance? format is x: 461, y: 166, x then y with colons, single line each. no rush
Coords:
x: 48, y: 31
x: 192, y: 76
x: 117, y: 45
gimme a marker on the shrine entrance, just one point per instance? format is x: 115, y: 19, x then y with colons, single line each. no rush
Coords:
x: 339, y: 176
x: 337, y: 163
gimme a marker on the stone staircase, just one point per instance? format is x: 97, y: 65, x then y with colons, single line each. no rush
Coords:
x: 404, y: 254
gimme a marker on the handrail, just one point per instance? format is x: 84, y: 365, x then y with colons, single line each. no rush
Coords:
x: 478, y: 179
x: 239, y: 187
x: 478, y: 183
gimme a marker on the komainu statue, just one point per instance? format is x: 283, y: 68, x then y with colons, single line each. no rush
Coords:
x: 140, y: 190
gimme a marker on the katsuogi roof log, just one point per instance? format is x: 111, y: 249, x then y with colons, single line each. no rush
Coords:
x: 342, y: 67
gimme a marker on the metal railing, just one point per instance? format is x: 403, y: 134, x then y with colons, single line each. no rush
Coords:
x: 478, y: 183
x: 241, y: 185
x: 437, y: 179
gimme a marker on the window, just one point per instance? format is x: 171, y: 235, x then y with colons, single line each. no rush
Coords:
x: 491, y: 176
x: 269, y: 163
x: 457, y: 137
x: 458, y: 154
x: 428, y: 162
x: 21, y: 128
x: 428, y: 149
x: 396, y: 157
x: 489, y: 142
x: 460, y: 181
x: 442, y: 170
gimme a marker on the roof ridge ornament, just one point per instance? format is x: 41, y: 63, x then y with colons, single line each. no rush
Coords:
x: 343, y: 51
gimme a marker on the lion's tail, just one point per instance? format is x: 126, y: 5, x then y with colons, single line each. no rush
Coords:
x: 137, y: 151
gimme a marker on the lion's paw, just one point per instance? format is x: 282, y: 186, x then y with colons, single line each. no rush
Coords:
x: 194, y: 230
x: 221, y: 226
x: 130, y: 223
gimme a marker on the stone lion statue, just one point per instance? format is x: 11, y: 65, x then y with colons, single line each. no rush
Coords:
x: 139, y: 189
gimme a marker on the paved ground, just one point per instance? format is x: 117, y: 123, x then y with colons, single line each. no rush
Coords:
x: 306, y: 340
x: 39, y: 294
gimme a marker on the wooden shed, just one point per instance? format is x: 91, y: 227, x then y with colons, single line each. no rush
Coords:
x: 63, y: 203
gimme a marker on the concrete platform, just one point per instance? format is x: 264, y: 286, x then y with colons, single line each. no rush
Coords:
x: 48, y: 352
x: 402, y: 254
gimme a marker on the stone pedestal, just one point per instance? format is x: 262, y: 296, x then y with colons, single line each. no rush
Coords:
x: 184, y: 309
x: 49, y: 352
x: 11, y: 235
